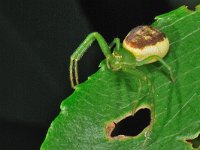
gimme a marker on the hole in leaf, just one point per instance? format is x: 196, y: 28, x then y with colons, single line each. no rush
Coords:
x: 195, y: 142
x: 132, y: 125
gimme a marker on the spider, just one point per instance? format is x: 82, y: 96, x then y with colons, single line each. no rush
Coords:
x: 142, y: 45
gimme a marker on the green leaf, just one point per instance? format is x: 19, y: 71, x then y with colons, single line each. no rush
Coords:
x: 109, y: 96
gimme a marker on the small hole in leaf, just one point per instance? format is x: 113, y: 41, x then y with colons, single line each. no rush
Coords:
x: 195, y: 142
x: 132, y: 125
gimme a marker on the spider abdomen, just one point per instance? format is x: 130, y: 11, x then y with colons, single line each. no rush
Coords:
x: 145, y: 41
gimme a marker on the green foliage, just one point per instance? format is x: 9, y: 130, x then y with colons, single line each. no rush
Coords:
x: 107, y: 96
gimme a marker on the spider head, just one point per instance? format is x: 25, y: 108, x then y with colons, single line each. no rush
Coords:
x: 120, y: 58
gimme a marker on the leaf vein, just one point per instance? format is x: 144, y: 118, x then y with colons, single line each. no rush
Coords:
x: 170, y: 120
x: 181, y: 39
x: 189, y: 15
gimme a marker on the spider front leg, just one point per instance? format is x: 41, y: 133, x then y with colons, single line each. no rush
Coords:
x: 116, y: 42
x: 79, y: 52
x: 142, y: 80
x: 155, y: 57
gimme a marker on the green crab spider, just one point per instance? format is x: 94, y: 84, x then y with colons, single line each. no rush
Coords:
x: 143, y: 45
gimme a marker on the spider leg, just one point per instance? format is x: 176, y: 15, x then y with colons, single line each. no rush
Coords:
x: 71, y: 72
x: 79, y: 52
x: 147, y: 133
x: 150, y: 58
x: 73, y: 65
x: 139, y: 97
x: 143, y: 78
x: 116, y: 42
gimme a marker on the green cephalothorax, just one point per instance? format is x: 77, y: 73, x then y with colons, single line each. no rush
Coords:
x: 121, y: 58
x: 142, y: 45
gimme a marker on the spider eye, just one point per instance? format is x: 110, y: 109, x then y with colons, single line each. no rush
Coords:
x: 145, y: 41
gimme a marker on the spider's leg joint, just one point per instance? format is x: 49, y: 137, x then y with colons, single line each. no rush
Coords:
x: 80, y: 51
x: 108, y: 64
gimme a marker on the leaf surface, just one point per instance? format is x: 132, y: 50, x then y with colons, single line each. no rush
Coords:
x: 109, y: 96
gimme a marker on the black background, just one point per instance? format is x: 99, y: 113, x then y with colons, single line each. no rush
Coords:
x: 37, y: 38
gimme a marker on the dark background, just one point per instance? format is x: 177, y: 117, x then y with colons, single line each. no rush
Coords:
x: 37, y: 38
